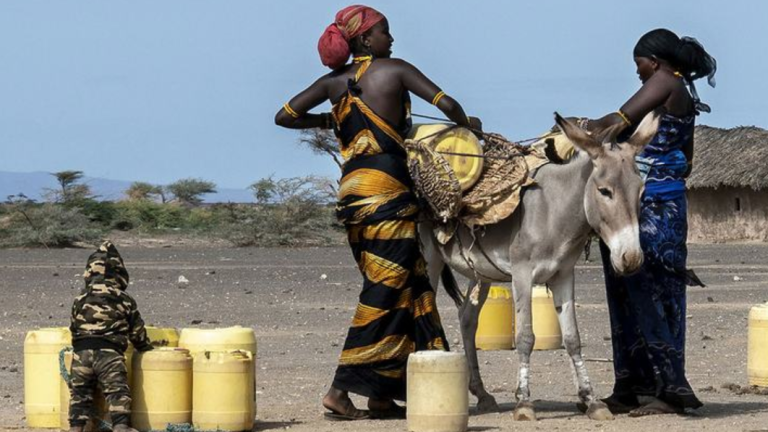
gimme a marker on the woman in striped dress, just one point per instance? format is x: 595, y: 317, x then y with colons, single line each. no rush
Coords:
x: 396, y: 314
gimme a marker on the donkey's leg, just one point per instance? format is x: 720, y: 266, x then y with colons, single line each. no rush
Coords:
x: 562, y: 286
x: 468, y: 317
x: 524, y: 340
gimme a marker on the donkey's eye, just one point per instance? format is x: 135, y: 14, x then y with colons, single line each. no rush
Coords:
x: 605, y: 192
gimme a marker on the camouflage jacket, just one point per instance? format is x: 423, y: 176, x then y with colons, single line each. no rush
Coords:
x: 104, y: 315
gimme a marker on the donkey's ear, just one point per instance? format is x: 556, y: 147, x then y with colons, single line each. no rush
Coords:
x: 579, y: 137
x: 644, y: 132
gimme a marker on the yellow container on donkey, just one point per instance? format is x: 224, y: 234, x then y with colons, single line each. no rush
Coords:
x: 757, y: 357
x: 42, y: 381
x: 223, y: 391
x: 546, y: 327
x: 456, y: 140
x: 161, y: 388
x: 496, y: 324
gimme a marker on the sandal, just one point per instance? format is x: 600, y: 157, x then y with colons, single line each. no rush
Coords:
x: 394, y: 412
x: 351, y: 415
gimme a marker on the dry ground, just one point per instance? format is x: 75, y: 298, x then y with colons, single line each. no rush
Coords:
x: 300, y: 320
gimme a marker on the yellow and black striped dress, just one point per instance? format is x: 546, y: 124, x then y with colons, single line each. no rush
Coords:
x: 396, y: 314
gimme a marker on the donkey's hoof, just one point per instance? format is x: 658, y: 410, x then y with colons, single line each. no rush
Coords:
x: 524, y: 412
x: 599, y: 411
x: 487, y: 404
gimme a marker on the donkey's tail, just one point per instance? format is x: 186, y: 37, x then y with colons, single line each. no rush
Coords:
x: 451, y: 287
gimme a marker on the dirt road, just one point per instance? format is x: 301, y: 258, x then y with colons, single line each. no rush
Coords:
x: 300, y: 319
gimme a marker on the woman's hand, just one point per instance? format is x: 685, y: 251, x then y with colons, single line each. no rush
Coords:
x: 475, y: 123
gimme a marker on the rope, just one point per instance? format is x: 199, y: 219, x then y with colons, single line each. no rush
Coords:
x: 63, y: 367
x: 477, y: 131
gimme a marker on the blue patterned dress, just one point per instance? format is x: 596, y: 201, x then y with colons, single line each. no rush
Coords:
x: 647, y: 310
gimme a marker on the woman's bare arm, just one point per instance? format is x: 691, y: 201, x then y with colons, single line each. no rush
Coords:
x: 298, y: 116
x: 418, y: 83
x: 653, y: 94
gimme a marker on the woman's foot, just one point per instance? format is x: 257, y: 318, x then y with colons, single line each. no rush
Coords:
x: 655, y: 407
x: 385, y: 409
x: 341, y: 407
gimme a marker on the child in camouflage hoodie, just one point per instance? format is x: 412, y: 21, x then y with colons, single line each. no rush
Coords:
x: 104, y: 319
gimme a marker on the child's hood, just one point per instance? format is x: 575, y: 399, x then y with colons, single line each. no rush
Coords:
x: 106, y: 266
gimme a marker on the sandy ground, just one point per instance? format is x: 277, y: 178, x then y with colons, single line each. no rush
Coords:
x: 300, y: 320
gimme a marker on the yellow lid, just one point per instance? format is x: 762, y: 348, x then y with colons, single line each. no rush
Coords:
x: 458, y: 140
x: 499, y: 292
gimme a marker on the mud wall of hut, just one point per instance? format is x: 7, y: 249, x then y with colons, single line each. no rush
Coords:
x: 727, y: 214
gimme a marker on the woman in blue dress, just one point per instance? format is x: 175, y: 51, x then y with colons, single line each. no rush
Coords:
x: 648, y: 309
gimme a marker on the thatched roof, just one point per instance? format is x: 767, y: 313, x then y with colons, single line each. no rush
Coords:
x: 736, y: 157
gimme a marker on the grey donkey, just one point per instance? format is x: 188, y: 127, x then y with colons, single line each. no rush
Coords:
x: 597, y: 190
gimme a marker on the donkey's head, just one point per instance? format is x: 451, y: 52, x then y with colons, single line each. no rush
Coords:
x: 613, y: 190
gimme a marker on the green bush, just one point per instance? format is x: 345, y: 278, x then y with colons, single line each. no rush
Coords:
x: 148, y: 216
x: 101, y: 212
x: 49, y: 225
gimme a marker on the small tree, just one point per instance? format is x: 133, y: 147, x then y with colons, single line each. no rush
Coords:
x: 142, y: 191
x: 70, y: 191
x: 188, y: 191
x: 321, y: 142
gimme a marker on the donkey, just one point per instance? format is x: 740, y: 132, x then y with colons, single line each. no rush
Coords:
x: 597, y: 190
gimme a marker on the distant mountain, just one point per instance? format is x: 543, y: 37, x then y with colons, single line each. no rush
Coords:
x: 33, y: 185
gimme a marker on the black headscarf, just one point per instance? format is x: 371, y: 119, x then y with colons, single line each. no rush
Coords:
x: 685, y: 54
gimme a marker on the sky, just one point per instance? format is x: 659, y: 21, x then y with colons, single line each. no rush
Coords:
x: 157, y: 91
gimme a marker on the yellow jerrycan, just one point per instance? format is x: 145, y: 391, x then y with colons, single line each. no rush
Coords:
x: 757, y: 350
x: 220, y: 339
x: 223, y: 391
x: 546, y: 327
x: 496, y: 324
x: 42, y: 380
x: 438, y: 399
x: 160, y: 337
x: 99, y: 404
x: 161, y: 388
x: 457, y: 140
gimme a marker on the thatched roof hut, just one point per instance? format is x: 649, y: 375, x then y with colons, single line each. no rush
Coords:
x: 736, y: 157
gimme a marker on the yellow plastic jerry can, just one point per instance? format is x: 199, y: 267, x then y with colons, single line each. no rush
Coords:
x: 159, y: 337
x: 223, y: 391
x: 42, y: 381
x: 458, y: 140
x: 436, y: 388
x: 219, y: 339
x: 161, y: 388
x: 496, y: 324
x: 546, y: 327
x: 757, y: 357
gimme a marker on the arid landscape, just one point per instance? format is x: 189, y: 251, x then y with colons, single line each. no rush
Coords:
x: 300, y: 301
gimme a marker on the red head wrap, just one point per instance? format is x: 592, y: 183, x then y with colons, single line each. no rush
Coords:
x: 350, y: 22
